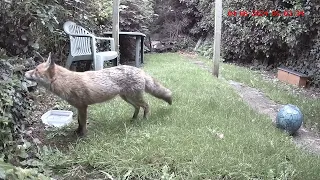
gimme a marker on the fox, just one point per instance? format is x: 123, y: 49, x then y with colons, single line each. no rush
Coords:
x: 81, y: 89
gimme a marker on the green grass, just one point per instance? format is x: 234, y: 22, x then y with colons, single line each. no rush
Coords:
x: 277, y: 91
x: 181, y: 140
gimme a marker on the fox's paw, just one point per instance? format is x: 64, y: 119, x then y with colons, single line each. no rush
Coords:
x: 81, y: 132
x: 133, y: 119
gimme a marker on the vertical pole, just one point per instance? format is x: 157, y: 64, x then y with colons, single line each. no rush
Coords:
x: 217, y: 37
x: 115, y: 26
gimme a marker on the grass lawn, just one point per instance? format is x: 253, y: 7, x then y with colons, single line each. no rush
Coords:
x: 183, y: 141
x: 275, y: 90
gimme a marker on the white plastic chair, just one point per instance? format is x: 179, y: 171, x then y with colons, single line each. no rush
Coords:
x: 83, y: 46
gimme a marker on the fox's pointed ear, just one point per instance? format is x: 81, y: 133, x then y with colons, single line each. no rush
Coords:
x: 50, y: 62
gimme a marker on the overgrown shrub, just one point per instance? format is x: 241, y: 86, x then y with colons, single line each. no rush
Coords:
x: 15, y: 106
x: 10, y: 172
x: 182, y: 22
x: 29, y: 25
x: 36, y: 25
x: 206, y: 50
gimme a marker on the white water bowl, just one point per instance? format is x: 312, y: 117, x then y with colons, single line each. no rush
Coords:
x: 57, y: 118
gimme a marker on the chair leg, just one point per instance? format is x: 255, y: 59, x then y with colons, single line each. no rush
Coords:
x: 69, y: 62
x: 98, y: 64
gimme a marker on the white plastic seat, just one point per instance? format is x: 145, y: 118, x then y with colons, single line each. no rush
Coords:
x: 83, y: 46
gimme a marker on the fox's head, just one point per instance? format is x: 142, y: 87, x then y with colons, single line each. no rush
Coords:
x: 43, y: 73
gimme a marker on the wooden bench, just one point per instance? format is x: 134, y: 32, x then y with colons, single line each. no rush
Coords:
x: 292, y: 77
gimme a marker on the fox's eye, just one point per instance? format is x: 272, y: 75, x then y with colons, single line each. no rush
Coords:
x: 37, y: 69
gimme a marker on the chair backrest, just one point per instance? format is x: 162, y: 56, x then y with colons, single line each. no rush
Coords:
x: 78, y: 45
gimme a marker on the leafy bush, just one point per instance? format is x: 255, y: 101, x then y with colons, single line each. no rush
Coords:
x: 36, y: 25
x: 182, y: 22
x: 28, y: 26
x: 27, y: 174
x: 206, y: 50
x: 136, y: 15
x: 16, y: 105
x: 9, y: 172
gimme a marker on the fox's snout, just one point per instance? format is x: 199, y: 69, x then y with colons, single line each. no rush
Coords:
x: 29, y: 74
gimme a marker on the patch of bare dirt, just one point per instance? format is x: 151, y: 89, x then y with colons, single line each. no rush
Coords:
x: 43, y: 102
x: 256, y: 99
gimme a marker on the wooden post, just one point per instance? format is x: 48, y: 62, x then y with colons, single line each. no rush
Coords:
x: 150, y: 43
x: 115, y: 26
x: 217, y: 37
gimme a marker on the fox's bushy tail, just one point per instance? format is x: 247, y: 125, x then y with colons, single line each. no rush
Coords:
x: 157, y: 90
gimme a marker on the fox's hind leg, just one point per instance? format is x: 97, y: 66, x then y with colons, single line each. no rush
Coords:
x: 139, y: 101
x: 136, y: 108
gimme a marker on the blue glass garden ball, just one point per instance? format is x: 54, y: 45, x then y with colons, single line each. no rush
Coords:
x: 289, y: 118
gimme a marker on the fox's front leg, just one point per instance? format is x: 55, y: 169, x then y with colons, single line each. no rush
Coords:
x: 82, y: 121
